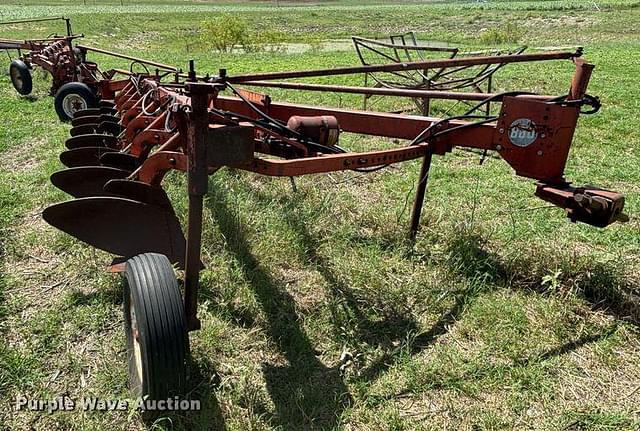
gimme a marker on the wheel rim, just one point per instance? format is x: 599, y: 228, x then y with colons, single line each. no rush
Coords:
x: 135, y: 343
x: 16, y: 78
x: 72, y: 103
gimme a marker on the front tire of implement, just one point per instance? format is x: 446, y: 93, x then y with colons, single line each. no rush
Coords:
x: 73, y: 97
x: 156, y: 328
x: 21, y: 77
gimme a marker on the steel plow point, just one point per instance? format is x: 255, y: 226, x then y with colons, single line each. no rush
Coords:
x: 84, y: 156
x: 85, y: 129
x: 92, y: 140
x: 86, y: 180
x: 85, y: 112
x: 124, y: 161
x: 120, y: 226
x: 89, y: 119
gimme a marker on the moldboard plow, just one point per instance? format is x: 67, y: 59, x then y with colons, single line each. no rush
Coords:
x: 120, y: 151
x: 76, y: 83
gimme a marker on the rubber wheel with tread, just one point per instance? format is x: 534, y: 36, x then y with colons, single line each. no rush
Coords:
x: 156, y: 328
x: 21, y: 77
x: 73, y: 97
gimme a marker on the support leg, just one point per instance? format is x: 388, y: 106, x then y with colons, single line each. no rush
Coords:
x: 192, y: 266
x: 420, y: 191
x: 197, y: 179
x: 489, y: 90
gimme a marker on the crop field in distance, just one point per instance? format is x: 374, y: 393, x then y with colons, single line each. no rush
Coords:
x: 317, y: 313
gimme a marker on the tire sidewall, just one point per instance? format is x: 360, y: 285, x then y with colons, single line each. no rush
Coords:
x: 25, y: 76
x: 139, y: 384
x: 73, y: 88
x: 160, y: 378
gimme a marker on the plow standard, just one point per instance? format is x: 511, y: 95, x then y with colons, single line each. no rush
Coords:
x: 140, y: 128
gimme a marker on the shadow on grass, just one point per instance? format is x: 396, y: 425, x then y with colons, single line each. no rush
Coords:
x: 384, y: 332
x: 305, y: 392
x: 603, y: 286
x: 203, y: 380
x: 111, y: 296
x: 469, y: 257
x: 482, y: 271
x: 396, y: 326
x: 570, y: 345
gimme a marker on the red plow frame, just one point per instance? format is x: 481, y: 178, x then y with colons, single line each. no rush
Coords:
x: 121, y: 150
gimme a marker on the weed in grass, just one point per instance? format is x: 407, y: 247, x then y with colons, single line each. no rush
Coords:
x: 508, y: 33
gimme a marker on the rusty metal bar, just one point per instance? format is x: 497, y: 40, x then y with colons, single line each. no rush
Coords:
x: 197, y: 183
x: 580, y: 80
x: 418, y: 65
x: 368, y: 123
x: 419, y: 198
x: 14, y: 44
x: 449, y: 95
x: 21, y: 21
x: 412, y: 47
x: 128, y: 57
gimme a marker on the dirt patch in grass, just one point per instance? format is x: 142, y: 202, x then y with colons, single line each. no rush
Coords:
x: 20, y: 158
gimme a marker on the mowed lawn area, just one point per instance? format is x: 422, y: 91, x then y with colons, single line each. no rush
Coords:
x: 317, y: 313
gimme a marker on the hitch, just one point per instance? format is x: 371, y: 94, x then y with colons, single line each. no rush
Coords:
x: 590, y: 205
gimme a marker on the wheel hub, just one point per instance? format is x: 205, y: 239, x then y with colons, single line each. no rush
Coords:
x: 16, y: 78
x: 73, y: 103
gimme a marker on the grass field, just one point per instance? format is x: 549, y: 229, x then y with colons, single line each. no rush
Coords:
x: 503, y: 315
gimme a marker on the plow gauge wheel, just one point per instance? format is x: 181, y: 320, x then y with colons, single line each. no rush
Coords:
x: 21, y: 77
x: 156, y: 328
x: 73, y: 97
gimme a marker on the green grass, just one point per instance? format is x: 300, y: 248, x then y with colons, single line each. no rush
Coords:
x: 502, y: 316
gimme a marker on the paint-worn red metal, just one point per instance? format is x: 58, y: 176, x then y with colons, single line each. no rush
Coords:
x: 417, y: 65
x: 382, y: 91
x: 67, y: 61
x: 191, y: 127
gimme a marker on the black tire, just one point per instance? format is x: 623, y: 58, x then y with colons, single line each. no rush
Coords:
x: 21, y: 77
x: 157, y: 339
x: 73, y: 97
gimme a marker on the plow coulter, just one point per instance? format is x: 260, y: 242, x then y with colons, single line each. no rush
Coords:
x: 142, y: 128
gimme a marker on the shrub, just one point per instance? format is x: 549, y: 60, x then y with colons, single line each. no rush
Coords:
x: 225, y: 32
x: 269, y: 40
x: 508, y: 33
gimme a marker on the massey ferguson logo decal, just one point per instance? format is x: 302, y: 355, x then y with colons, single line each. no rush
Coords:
x: 522, y: 132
